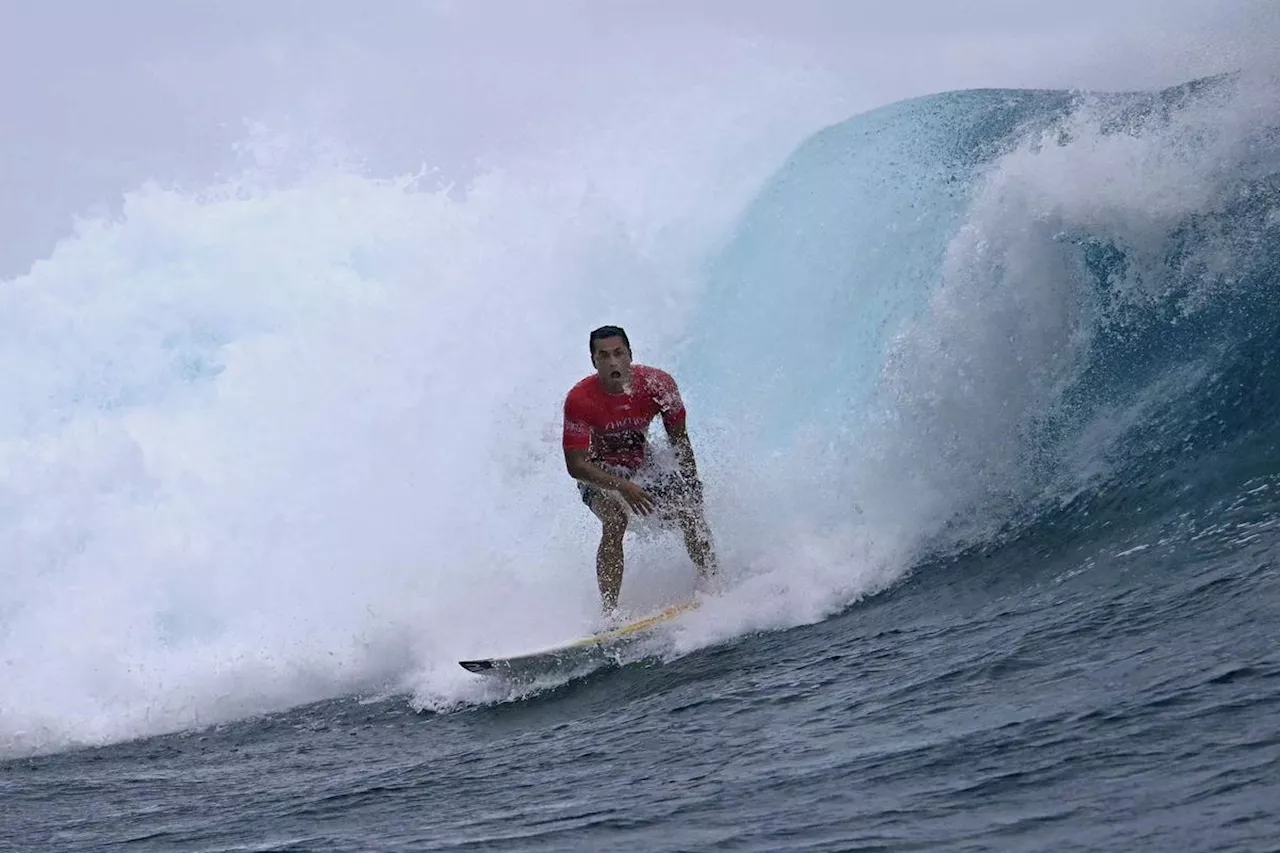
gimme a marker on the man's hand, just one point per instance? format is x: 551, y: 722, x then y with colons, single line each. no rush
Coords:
x: 640, y: 501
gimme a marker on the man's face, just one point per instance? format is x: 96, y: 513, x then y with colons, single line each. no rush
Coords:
x: 612, y: 359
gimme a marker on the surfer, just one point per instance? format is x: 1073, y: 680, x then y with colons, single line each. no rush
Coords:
x: 606, y: 423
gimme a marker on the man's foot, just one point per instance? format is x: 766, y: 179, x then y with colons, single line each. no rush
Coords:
x: 612, y: 618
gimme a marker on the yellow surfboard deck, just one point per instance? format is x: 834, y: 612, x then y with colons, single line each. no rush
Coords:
x: 581, y: 650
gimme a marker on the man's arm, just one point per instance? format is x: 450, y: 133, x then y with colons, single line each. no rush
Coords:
x: 671, y: 405
x: 577, y: 447
x: 580, y: 467
x: 678, y: 435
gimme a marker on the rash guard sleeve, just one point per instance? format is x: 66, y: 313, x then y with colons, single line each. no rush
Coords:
x: 667, y: 395
x: 577, y: 430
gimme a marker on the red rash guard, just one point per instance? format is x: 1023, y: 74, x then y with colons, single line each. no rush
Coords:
x: 613, y: 427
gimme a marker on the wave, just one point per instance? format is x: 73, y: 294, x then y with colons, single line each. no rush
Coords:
x: 948, y: 318
x: 276, y: 442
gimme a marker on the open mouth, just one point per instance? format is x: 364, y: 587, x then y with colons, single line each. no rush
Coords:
x: 617, y: 374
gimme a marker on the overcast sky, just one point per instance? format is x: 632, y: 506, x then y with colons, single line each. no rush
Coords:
x: 96, y: 98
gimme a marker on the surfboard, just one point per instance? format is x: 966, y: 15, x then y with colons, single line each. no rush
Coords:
x: 597, y: 648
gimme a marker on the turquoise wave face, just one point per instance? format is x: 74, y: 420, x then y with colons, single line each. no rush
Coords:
x: 956, y: 313
x: 845, y: 242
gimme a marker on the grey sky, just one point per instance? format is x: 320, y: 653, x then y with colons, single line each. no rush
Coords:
x: 96, y: 98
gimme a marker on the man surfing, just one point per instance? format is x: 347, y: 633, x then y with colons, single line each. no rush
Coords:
x: 606, y: 423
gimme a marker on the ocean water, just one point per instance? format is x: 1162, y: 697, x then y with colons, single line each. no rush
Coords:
x: 985, y: 387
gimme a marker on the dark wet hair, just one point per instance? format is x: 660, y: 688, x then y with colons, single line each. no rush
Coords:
x: 606, y: 332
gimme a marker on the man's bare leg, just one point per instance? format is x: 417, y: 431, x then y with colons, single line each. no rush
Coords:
x: 609, y: 561
x: 697, y: 540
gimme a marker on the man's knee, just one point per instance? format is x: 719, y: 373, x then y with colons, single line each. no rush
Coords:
x: 611, y: 515
x: 615, y: 526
